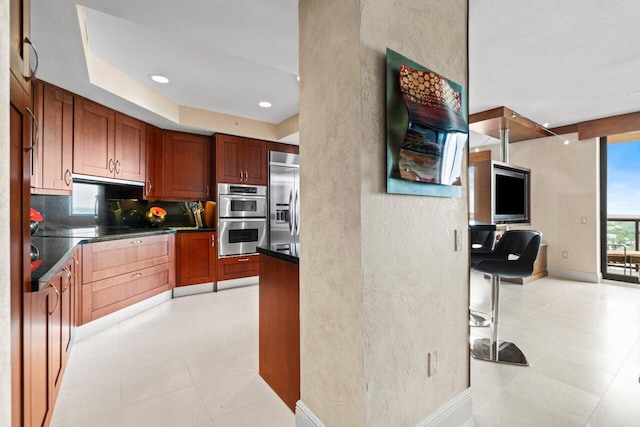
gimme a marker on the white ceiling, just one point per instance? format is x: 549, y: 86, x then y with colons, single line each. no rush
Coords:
x: 551, y: 61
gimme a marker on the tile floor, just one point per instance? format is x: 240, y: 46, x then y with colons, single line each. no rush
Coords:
x: 192, y: 361
x: 582, y: 341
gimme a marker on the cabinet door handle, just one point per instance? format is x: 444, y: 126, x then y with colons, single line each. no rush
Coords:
x: 136, y: 275
x: 213, y: 241
x: 67, y: 177
x: 243, y: 259
x: 57, y: 299
x: 149, y: 187
x: 36, y: 134
x: 35, y: 53
x: 240, y: 175
x: 112, y: 165
x: 68, y: 271
x: 118, y: 166
x: 136, y: 242
x: 207, y: 190
x: 246, y: 176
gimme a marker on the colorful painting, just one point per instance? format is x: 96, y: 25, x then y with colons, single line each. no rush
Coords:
x: 427, y: 130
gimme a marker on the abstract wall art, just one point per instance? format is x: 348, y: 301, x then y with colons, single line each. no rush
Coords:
x: 427, y: 130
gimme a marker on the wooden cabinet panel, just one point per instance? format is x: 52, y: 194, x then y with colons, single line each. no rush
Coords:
x: 229, y: 159
x: 19, y: 50
x: 130, y: 148
x: 284, y: 148
x: 119, y: 273
x: 40, y: 405
x: 186, y: 166
x: 197, y: 256
x: 19, y: 200
x: 255, y: 162
x: 54, y: 336
x: 53, y: 153
x: 94, y: 144
x: 279, y: 328
x: 154, y: 163
x: 241, y: 160
x: 108, y: 259
x: 238, y: 267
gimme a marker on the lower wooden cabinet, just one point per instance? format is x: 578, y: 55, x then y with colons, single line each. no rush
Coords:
x: 119, y: 273
x: 236, y: 267
x: 196, y: 255
x: 51, y: 314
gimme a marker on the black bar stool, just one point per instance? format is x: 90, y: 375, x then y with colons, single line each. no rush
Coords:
x: 523, y: 244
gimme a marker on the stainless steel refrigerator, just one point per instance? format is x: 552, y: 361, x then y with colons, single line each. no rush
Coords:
x: 284, y: 198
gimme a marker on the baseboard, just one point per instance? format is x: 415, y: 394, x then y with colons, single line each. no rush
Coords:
x: 457, y: 412
x: 95, y: 326
x: 580, y: 276
x: 306, y: 418
x: 183, y: 291
x: 236, y: 283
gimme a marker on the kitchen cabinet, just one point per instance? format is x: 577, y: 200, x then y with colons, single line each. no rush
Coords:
x: 186, y: 166
x: 106, y: 143
x: 20, y: 139
x: 53, y: 151
x: 19, y: 45
x: 241, y: 160
x: 197, y: 256
x: 236, y: 267
x: 130, y: 148
x: 119, y: 273
x: 51, y: 312
x: 284, y: 148
x: 279, y: 327
x: 154, y: 163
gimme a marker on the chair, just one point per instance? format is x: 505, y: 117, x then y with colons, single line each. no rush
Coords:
x: 523, y: 244
x: 482, y: 239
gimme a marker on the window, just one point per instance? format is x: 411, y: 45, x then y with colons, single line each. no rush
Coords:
x: 84, y: 199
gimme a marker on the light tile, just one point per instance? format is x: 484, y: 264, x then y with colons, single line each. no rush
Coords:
x: 182, y: 408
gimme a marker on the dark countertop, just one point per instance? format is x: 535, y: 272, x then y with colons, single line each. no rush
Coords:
x: 287, y: 252
x: 56, y: 246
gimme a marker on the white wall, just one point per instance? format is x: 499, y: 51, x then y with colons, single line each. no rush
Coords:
x: 5, y: 331
x: 380, y: 283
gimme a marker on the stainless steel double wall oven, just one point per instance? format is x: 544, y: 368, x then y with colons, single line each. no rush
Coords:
x: 242, y: 218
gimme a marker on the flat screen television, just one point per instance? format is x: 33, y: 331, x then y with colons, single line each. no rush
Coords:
x: 511, y: 194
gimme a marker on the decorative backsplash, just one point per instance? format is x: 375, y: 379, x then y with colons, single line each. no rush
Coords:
x: 106, y: 206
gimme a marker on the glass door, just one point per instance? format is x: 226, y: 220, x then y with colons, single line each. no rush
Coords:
x: 620, y: 207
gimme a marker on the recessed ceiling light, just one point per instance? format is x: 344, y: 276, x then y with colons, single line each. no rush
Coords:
x: 298, y: 77
x: 158, y: 78
x: 264, y: 104
x: 546, y: 124
x: 566, y: 142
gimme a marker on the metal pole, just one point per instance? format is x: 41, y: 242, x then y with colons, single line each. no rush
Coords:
x: 504, y: 144
x: 495, y: 313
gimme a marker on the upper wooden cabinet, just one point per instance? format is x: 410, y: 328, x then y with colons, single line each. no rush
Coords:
x: 19, y: 46
x: 284, y: 148
x: 53, y: 151
x: 241, y: 160
x: 108, y: 144
x: 130, y: 148
x: 185, y: 166
x: 154, y: 163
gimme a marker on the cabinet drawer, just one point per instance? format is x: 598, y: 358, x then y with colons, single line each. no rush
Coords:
x: 109, y: 295
x: 108, y: 259
x: 237, y: 267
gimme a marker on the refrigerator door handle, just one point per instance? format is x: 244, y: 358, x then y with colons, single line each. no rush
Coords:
x: 291, y: 213
x: 297, y: 203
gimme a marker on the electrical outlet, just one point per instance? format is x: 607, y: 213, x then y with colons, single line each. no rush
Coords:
x: 458, y: 237
x: 565, y: 254
x: 432, y: 363
x: 583, y: 220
